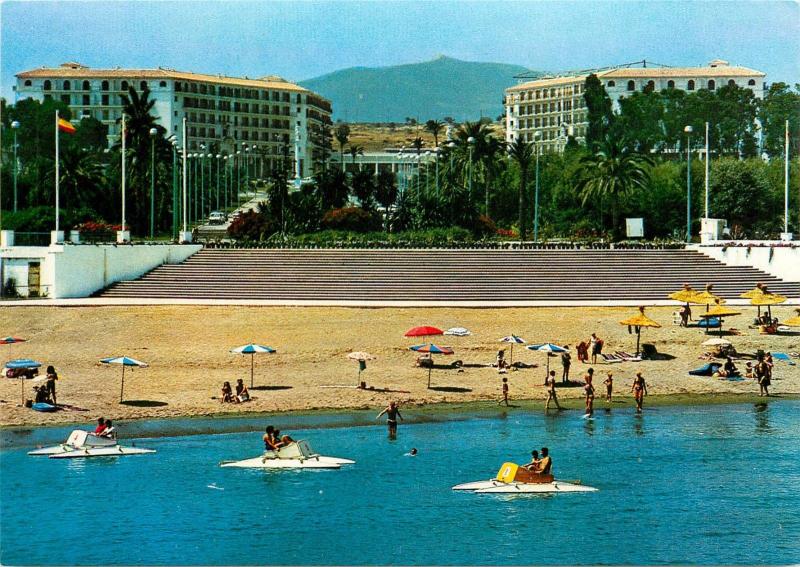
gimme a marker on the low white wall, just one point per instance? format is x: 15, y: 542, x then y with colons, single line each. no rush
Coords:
x: 79, y: 271
x: 780, y: 261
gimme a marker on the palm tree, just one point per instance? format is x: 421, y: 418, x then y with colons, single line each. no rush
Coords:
x: 342, y: 134
x: 82, y: 179
x: 613, y: 173
x: 417, y: 144
x: 434, y: 127
x: 355, y: 150
x: 522, y: 153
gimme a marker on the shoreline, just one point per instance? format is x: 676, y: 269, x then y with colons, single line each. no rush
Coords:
x: 318, y: 418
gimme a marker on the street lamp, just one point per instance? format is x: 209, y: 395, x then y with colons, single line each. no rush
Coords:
x: 238, y: 176
x: 153, y: 134
x: 427, y: 172
x: 225, y: 179
x: 15, y: 127
x: 203, y: 181
x: 471, y: 143
x: 536, y: 135
x: 688, y: 130
x: 174, y: 143
x: 436, y: 156
x: 219, y: 164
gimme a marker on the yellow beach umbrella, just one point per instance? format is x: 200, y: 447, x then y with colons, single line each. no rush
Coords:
x: 758, y: 290
x: 637, y: 322
x: 721, y: 312
x: 767, y: 300
x: 793, y: 321
x: 685, y: 295
x: 707, y: 297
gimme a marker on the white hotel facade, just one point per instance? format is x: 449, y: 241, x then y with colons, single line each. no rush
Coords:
x: 555, y: 107
x: 226, y: 114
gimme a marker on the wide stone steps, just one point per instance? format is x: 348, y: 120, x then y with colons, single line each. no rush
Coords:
x: 442, y: 275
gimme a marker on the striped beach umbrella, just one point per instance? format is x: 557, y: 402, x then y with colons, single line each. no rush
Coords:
x: 123, y: 361
x: 252, y: 350
x: 431, y: 349
x: 22, y: 364
x: 512, y: 340
x: 361, y: 357
x: 11, y: 340
x: 548, y: 348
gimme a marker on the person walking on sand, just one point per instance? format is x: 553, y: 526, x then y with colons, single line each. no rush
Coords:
x: 588, y: 389
x: 52, y: 376
x: 595, y: 347
x: 639, y: 389
x: 505, y: 391
x: 392, y: 413
x: 550, y: 384
x: 609, y: 382
x: 566, y: 361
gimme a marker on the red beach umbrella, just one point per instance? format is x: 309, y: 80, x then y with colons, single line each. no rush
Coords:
x: 424, y: 331
x: 11, y: 340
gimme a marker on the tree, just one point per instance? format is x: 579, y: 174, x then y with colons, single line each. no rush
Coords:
x: 599, y: 112
x: 741, y: 192
x: 386, y: 191
x: 780, y: 104
x: 614, y: 173
x: 355, y: 150
x: 435, y: 127
x: 342, y: 134
x: 522, y: 154
x: 331, y: 189
x: 91, y: 134
x: 640, y: 121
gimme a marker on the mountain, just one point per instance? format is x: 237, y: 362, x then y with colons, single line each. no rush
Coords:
x: 464, y: 90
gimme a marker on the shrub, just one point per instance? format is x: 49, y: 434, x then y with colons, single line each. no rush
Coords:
x: 351, y: 219
x: 252, y: 226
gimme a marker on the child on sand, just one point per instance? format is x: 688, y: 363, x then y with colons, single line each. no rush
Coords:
x: 505, y: 391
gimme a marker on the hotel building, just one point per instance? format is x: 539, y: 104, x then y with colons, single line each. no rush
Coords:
x: 555, y: 106
x: 224, y: 114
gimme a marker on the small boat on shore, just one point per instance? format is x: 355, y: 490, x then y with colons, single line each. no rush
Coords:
x: 82, y: 443
x: 513, y: 479
x: 297, y: 455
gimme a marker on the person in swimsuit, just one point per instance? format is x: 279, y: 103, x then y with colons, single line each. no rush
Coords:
x: 762, y: 372
x: 505, y: 392
x: 52, y: 376
x: 392, y: 413
x: 242, y: 394
x: 269, y: 438
x: 589, y: 391
x: 545, y: 463
x: 534, y: 464
x: 639, y: 390
x: 227, y: 393
x: 566, y: 362
x: 609, y: 382
x: 550, y: 383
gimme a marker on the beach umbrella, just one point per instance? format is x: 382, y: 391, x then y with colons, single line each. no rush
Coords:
x: 760, y: 289
x: 424, y: 331
x: 548, y: 348
x: 123, y: 361
x: 707, y: 297
x: 719, y: 311
x: 362, y: 358
x: 252, y: 350
x: 637, y: 322
x: 431, y: 349
x: 767, y: 300
x: 685, y: 295
x: 457, y: 332
x: 512, y: 340
x: 793, y: 321
x: 22, y: 364
x: 11, y: 340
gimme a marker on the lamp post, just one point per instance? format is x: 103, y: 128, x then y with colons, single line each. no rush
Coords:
x: 238, y: 175
x: 224, y: 178
x: 186, y: 235
x: 153, y: 134
x: 195, y: 215
x: 203, y: 182
x: 706, y: 172
x: 246, y: 177
x: 471, y: 143
x: 15, y: 127
x: 436, y: 156
x: 688, y: 130
x: 427, y: 172
x: 174, y: 144
x: 219, y: 164
x: 536, y: 135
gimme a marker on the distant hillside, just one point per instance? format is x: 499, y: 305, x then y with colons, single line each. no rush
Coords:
x: 443, y: 87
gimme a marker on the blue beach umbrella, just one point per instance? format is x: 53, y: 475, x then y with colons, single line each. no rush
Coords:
x: 252, y: 350
x: 22, y: 364
x: 512, y: 340
x: 123, y: 361
x: 431, y: 349
x: 548, y: 348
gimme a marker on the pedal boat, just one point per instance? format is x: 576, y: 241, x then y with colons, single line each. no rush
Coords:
x: 298, y: 455
x: 513, y: 479
x: 82, y: 443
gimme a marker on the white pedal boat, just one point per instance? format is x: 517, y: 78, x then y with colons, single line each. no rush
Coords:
x: 513, y: 479
x: 298, y: 455
x: 82, y: 443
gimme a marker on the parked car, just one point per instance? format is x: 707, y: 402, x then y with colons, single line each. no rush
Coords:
x: 216, y: 217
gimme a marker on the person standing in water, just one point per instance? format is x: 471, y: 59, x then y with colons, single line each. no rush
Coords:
x: 589, y: 390
x: 639, y: 390
x: 392, y: 413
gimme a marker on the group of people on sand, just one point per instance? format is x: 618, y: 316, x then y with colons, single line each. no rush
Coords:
x: 46, y: 393
x: 229, y: 397
x: 638, y: 388
x: 584, y: 350
x: 273, y: 440
x: 105, y: 428
x: 540, y: 465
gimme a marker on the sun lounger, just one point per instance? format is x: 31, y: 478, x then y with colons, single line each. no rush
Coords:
x: 627, y: 357
x: 611, y: 358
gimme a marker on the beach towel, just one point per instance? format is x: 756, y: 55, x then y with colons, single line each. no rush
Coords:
x: 706, y: 369
x: 627, y: 357
x: 785, y: 357
x: 732, y: 378
x: 610, y: 358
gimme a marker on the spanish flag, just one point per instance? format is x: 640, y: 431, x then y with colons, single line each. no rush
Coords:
x: 66, y: 126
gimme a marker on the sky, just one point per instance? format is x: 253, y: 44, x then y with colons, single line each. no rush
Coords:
x: 304, y: 39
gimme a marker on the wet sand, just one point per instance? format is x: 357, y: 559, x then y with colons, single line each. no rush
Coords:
x: 187, y: 349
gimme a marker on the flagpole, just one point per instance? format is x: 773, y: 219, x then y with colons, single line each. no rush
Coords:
x: 707, y: 166
x: 57, y: 171
x: 786, y: 182
x: 123, y: 172
x: 185, y: 159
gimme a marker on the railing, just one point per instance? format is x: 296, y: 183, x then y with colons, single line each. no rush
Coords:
x: 290, y: 243
x: 31, y: 238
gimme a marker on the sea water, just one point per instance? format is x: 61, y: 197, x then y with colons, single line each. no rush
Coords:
x: 713, y: 484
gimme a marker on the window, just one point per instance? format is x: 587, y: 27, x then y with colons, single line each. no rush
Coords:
x: 650, y: 86
x: 612, y: 84
x: 751, y: 82
x: 731, y: 83
x: 143, y: 86
x: 124, y: 85
x: 104, y: 85
x: 48, y: 85
x: 712, y: 85
x: 690, y: 86
x: 65, y: 98
x: 86, y: 86
x: 105, y: 100
x: 105, y: 114
x: 631, y: 85
x: 670, y: 84
x: 86, y: 100
x: 162, y: 84
x: 66, y: 85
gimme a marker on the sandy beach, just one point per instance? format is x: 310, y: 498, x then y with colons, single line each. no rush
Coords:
x: 187, y: 349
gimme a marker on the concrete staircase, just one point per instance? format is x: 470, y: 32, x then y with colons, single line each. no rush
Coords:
x: 442, y: 275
